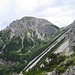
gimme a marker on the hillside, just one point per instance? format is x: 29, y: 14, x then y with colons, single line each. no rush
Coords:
x: 22, y: 40
x: 35, y: 46
x: 61, y: 59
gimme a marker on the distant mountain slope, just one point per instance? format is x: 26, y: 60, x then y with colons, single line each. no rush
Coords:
x: 22, y: 40
x: 31, y: 25
x: 62, y: 60
x: 28, y: 30
x: 25, y: 39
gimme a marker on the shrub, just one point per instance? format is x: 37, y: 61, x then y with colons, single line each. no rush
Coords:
x: 60, y: 69
x: 74, y: 48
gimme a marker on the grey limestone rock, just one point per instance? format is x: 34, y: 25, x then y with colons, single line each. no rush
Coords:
x: 32, y: 24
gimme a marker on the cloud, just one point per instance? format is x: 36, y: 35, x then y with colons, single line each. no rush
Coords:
x: 59, y: 15
x: 2, y: 26
x: 59, y: 12
x: 25, y: 5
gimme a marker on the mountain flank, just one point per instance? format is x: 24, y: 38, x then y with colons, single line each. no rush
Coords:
x: 29, y: 39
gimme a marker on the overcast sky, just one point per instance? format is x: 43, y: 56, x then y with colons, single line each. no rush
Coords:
x: 59, y: 12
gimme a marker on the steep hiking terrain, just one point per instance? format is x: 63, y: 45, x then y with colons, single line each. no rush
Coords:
x: 35, y: 46
x: 60, y: 60
x: 22, y: 41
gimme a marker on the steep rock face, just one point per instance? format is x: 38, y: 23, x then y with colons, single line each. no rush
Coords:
x: 71, y: 38
x: 32, y: 26
x: 70, y: 71
x: 71, y: 35
x: 23, y: 39
x: 29, y: 29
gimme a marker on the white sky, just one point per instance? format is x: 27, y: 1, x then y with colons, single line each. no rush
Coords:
x: 59, y: 12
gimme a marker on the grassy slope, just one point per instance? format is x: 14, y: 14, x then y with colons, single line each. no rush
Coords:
x: 12, y: 54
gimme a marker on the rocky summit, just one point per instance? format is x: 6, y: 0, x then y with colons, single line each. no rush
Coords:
x: 32, y: 26
x: 35, y: 46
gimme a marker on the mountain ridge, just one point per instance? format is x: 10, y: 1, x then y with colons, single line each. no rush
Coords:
x: 26, y: 38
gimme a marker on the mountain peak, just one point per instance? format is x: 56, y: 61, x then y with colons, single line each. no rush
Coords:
x: 30, y: 42
x: 32, y: 24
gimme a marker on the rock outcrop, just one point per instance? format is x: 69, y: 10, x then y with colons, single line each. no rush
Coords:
x: 33, y: 26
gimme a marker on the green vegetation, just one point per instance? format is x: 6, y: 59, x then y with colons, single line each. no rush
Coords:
x: 35, y: 71
x: 5, y: 36
x: 28, y: 43
x: 20, y: 57
x: 55, y: 60
x: 60, y: 69
x: 74, y: 48
x: 13, y: 45
x: 70, y: 61
x: 11, y: 67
